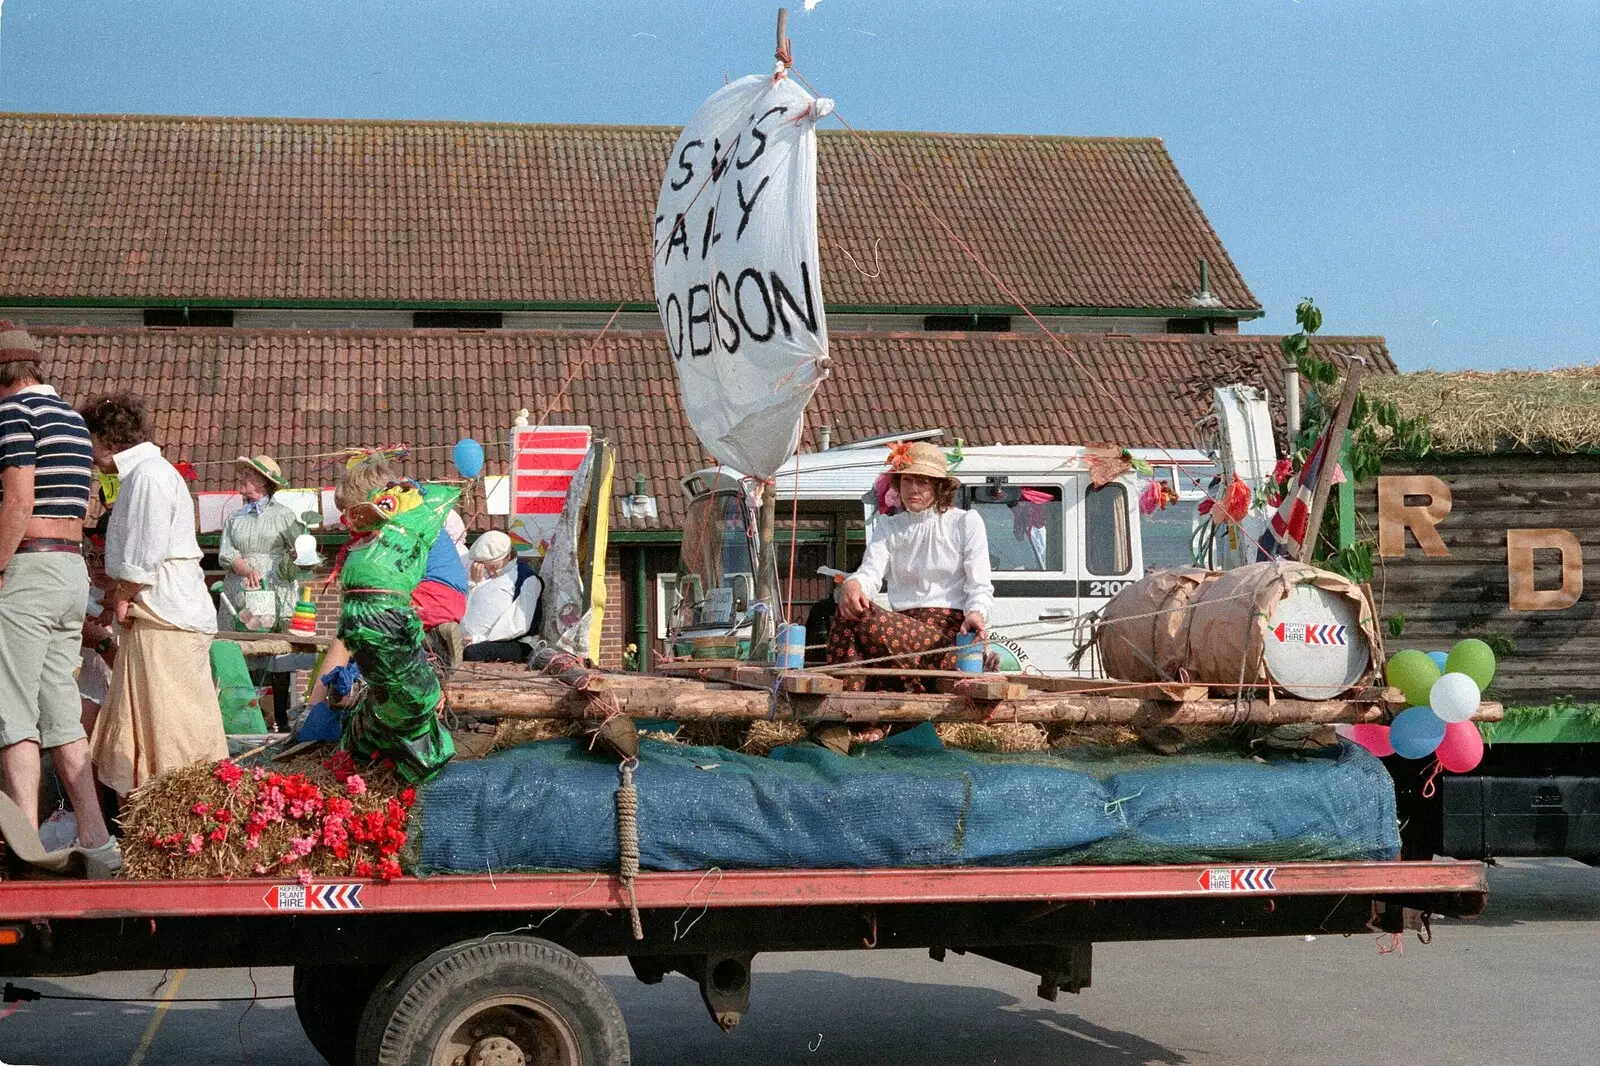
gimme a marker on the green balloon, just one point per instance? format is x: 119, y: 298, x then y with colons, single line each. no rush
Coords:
x: 1475, y: 659
x: 1413, y: 673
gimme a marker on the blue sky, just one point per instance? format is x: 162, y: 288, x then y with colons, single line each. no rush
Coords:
x: 1429, y: 171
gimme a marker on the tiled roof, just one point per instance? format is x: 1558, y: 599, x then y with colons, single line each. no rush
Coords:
x: 219, y: 393
x: 242, y: 211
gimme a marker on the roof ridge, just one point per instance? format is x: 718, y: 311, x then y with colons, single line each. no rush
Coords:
x: 293, y: 120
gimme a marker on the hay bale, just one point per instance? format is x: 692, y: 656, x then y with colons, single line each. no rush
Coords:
x: 1547, y: 412
x: 514, y: 732
x: 314, y: 815
x: 762, y: 737
x: 999, y: 738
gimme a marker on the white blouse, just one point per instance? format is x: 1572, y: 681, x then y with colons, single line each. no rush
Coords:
x: 150, y: 541
x: 931, y: 559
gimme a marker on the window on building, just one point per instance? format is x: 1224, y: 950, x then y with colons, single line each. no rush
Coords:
x: 967, y: 323
x: 1108, y: 549
x: 1023, y: 523
x: 1186, y: 325
x: 188, y: 316
x: 457, y: 319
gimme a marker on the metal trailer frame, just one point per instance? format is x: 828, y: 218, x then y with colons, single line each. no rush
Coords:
x: 709, y: 924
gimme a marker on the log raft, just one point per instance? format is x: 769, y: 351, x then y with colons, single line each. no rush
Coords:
x: 754, y: 693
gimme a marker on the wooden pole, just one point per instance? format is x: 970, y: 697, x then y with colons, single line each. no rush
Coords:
x: 783, y: 35
x: 689, y: 702
x: 1331, y: 454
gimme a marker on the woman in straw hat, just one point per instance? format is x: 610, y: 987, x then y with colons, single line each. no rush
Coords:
x: 257, y: 549
x: 935, y: 557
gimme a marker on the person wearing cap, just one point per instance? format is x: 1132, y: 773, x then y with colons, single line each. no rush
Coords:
x: 935, y: 558
x: 257, y: 549
x: 46, y: 463
x: 502, y: 602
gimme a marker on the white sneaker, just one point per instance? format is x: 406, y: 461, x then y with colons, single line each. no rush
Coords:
x: 102, y: 863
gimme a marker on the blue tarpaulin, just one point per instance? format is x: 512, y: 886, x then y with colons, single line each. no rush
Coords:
x: 904, y: 802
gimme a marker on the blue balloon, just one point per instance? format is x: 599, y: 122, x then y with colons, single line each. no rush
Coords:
x: 1441, y: 658
x: 469, y: 457
x: 1416, y: 732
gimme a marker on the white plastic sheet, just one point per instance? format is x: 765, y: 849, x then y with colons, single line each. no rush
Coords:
x: 736, y: 273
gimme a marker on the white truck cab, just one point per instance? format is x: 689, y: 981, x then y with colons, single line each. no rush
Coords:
x: 1059, y: 548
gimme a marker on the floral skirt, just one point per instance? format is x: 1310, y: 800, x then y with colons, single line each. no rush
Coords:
x: 880, y: 633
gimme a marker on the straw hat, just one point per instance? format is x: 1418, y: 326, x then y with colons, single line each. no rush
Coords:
x: 264, y: 465
x: 16, y: 346
x: 919, y: 458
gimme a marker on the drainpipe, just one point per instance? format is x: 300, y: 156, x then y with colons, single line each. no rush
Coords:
x: 641, y: 607
x: 1291, y: 402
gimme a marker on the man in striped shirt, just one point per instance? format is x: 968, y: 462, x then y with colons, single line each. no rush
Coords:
x: 46, y: 459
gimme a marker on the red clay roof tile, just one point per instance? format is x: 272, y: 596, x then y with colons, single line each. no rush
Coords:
x: 245, y: 211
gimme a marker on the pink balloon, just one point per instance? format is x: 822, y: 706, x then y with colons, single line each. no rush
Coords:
x: 1375, y: 738
x: 1462, y: 747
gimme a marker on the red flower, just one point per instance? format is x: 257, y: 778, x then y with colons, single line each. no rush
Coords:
x: 228, y: 773
x: 222, y: 815
x: 388, y: 869
x: 219, y: 834
x: 363, y: 868
x: 186, y: 469
x: 408, y: 796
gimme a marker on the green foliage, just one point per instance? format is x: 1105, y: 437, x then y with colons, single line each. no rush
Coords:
x: 1502, y: 644
x: 1397, y: 625
x: 1377, y: 429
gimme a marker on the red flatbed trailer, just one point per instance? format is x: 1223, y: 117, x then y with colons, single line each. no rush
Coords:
x: 479, y: 970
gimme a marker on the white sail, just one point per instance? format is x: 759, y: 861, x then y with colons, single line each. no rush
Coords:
x: 736, y: 273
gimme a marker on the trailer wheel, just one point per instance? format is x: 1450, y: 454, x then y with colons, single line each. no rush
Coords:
x: 503, y: 1002
x: 329, y: 1001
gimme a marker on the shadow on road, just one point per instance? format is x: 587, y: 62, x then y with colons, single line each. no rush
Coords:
x: 1542, y: 890
x: 817, y: 1018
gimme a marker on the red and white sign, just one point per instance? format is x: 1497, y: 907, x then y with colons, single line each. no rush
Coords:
x: 543, y: 461
x: 1324, y: 634
x: 1238, y: 879
x: 330, y: 897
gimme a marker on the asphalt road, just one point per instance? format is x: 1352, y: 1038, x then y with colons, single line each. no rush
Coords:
x: 1519, y: 985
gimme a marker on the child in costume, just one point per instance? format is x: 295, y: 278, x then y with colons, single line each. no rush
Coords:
x: 393, y: 528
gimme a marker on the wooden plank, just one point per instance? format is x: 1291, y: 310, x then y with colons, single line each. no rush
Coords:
x: 809, y: 683
x: 303, y: 640
x: 695, y: 667
x: 983, y: 688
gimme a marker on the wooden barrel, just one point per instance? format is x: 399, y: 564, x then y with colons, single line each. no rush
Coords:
x: 1308, y: 630
x: 1143, y: 631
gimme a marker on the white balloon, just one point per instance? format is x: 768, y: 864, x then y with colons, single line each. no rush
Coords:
x: 1454, y: 697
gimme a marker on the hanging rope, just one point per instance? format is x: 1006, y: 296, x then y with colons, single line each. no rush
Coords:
x: 628, y: 840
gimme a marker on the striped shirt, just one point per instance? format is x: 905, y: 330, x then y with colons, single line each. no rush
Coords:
x: 39, y: 429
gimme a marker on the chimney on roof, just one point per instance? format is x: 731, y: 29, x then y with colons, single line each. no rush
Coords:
x: 824, y: 438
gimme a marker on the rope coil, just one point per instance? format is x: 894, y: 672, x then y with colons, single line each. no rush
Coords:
x: 628, y: 840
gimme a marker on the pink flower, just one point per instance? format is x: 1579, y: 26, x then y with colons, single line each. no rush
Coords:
x: 300, y: 847
x: 260, y: 869
x: 200, y: 808
x: 195, y: 844
x: 355, y: 785
x: 304, y: 877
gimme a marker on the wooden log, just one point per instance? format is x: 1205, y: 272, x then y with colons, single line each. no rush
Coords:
x: 705, y: 702
x: 1111, y: 687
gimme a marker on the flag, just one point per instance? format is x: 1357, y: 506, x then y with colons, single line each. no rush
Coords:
x: 1287, y: 530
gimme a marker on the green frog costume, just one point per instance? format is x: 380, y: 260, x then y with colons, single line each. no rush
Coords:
x: 399, y: 718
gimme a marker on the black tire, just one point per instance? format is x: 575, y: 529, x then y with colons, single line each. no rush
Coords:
x: 329, y: 1001
x: 541, y: 999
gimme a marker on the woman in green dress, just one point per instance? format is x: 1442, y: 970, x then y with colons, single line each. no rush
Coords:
x: 257, y: 549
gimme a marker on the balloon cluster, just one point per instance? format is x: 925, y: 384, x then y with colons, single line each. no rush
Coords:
x: 1444, y: 691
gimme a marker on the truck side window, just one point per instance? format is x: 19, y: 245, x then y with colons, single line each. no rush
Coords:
x: 1024, y: 526
x: 1107, y: 547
